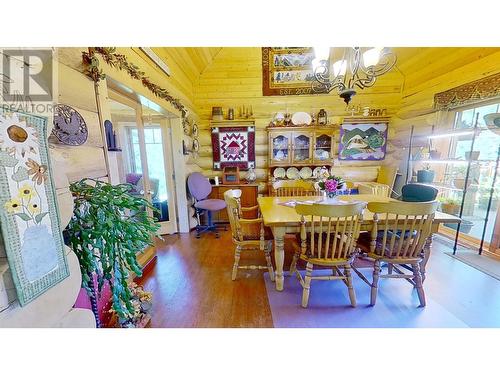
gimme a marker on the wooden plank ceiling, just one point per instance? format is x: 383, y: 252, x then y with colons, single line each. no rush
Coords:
x: 218, y: 73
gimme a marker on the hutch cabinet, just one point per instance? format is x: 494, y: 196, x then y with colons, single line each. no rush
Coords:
x: 301, y: 146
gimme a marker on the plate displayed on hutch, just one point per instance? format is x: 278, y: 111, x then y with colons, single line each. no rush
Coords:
x: 292, y: 173
x: 316, y: 172
x: 301, y: 118
x: 279, y: 173
x: 321, y: 154
x: 305, y: 173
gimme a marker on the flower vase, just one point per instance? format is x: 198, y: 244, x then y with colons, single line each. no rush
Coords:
x: 329, y: 198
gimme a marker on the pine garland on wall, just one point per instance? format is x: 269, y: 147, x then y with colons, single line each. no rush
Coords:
x: 119, y: 61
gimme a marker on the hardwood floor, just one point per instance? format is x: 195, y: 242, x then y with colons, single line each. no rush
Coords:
x: 192, y: 287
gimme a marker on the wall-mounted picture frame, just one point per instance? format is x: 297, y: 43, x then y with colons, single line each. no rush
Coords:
x: 287, y: 71
x: 28, y: 207
x: 363, y: 141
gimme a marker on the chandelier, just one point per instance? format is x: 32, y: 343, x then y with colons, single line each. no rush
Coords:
x: 356, y: 69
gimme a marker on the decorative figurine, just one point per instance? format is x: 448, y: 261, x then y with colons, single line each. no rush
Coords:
x: 251, y: 175
x: 322, y: 117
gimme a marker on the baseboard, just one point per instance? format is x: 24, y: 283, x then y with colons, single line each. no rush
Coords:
x: 146, y: 269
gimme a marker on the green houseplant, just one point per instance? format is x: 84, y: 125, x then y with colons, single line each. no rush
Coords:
x: 450, y: 205
x: 426, y: 174
x: 108, y: 228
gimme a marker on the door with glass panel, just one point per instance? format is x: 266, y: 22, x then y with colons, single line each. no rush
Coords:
x: 157, y: 142
x: 144, y: 159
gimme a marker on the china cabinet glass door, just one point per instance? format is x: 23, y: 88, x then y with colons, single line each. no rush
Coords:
x: 323, y: 147
x: 280, y: 148
x: 301, y: 146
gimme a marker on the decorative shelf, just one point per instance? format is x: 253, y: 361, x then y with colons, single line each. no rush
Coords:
x: 451, y: 161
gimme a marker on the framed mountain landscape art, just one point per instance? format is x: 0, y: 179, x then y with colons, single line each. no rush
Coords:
x: 287, y: 70
x: 363, y: 141
x: 29, y: 218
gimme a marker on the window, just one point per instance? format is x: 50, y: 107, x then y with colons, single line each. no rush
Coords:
x: 154, y: 150
x: 481, y: 172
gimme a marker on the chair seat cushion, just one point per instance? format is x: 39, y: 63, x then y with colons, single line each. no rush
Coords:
x: 211, y: 204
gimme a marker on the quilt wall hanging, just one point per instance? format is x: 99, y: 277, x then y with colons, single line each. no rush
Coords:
x: 366, y: 141
x: 233, y: 147
x: 28, y: 207
x: 287, y: 70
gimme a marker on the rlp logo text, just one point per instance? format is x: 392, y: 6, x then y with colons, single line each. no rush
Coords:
x: 26, y: 75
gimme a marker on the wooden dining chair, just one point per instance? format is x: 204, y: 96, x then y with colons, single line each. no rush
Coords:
x: 328, y: 236
x: 293, y: 188
x: 247, y: 234
x: 398, y: 237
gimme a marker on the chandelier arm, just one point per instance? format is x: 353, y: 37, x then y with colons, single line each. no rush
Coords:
x: 357, y: 76
x: 355, y: 61
x: 365, y: 82
x: 386, y: 63
x: 322, y: 72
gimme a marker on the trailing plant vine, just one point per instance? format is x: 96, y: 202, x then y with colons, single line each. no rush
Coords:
x: 119, y: 61
x: 108, y: 228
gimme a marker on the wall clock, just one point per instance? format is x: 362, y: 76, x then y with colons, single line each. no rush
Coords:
x: 69, y: 126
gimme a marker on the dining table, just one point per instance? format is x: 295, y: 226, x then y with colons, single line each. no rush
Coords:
x: 278, y: 213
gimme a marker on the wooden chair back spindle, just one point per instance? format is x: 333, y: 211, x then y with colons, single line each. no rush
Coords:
x: 247, y: 233
x: 333, y: 229
x: 401, y: 227
x: 232, y: 198
x: 293, y: 188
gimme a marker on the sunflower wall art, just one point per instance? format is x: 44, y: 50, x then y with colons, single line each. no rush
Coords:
x: 28, y: 207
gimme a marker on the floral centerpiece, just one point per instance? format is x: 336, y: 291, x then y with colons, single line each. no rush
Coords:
x: 331, y: 185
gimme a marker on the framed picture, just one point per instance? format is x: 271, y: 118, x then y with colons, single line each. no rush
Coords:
x: 28, y: 207
x: 363, y: 141
x: 287, y: 70
x: 233, y: 147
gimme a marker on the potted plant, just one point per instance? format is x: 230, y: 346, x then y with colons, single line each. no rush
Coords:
x: 108, y: 228
x: 425, y: 175
x: 450, y: 205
